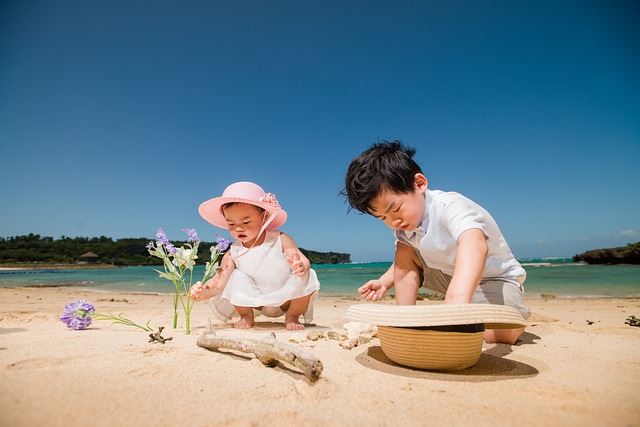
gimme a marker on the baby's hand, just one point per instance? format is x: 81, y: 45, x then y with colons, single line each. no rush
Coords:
x: 196, y: 290
x: 298, y: 267
x: 373, y: 290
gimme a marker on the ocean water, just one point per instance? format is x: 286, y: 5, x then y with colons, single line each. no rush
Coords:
x: 557, y: 276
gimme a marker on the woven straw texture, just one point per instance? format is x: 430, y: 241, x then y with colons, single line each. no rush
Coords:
x: 433, y: 350
x: 492, y: 315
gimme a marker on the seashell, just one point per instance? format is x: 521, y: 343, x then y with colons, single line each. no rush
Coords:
x: 355, y: 329
x: 336, y: 335
x: 314, y: 335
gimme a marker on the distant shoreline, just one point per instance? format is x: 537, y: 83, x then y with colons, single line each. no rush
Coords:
x: 18, y: 267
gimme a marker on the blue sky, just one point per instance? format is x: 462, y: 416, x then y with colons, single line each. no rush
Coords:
x: 119, y: 117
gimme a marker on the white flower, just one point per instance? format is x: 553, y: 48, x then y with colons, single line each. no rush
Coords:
x: 185, y: 258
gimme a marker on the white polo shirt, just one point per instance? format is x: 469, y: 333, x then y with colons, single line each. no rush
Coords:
x: 447, y: 216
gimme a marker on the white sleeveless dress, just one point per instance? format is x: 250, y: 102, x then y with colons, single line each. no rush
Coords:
x: 263, y: 278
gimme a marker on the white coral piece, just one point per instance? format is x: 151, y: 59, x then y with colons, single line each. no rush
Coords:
x: 358, y: 333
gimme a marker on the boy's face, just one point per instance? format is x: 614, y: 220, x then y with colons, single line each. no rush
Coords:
x: 401, y: 211
x: 244, y: 221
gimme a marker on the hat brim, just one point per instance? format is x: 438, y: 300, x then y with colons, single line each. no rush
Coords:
x: 211, y: 211
x: 493, y: 316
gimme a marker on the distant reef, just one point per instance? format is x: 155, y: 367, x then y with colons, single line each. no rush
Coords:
x: 43, y: 251
x: 629, y: 254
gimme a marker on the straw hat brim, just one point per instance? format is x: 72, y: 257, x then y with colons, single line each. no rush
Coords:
x: 492, y: 315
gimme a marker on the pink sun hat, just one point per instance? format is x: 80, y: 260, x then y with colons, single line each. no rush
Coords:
x: 243, y: 192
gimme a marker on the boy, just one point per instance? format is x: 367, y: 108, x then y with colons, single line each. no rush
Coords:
x: 443, y: 240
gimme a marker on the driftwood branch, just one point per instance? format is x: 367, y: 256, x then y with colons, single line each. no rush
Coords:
x: 155, y: 337
x: 268, y: 351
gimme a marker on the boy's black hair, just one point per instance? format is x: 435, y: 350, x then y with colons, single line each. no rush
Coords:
x: 387, y: 165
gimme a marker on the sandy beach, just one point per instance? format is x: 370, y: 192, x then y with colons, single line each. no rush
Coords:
x: 576, y: 365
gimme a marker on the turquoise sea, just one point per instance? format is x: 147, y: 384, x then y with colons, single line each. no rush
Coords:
x: 557, y: 276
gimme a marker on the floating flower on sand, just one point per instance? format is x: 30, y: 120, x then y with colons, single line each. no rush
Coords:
x: 77, y: 315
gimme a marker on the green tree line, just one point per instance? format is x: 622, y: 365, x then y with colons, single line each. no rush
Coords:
x: 127, y: 251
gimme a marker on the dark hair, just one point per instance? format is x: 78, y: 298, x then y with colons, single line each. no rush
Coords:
x: 387, y: 165
x: 226, y: 205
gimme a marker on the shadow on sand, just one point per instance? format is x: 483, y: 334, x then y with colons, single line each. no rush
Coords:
x: 492, y: 366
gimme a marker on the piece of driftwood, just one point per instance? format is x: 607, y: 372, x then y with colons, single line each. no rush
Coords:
x: 156, y: 337
x: 632, y: 321
x: 268, y: 351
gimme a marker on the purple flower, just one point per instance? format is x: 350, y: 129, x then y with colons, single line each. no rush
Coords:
x: 192, y: 236
x: 77, y: 315
x: 162, y: 237
x: 222, y: 244
x: 163, y: 240
x: 150, y: 245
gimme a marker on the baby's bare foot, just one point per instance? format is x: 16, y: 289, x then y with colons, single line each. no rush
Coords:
x: 245, y: 322
x: 292, y: 323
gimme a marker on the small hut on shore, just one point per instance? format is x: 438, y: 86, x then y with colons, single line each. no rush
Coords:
x: 89, y: 257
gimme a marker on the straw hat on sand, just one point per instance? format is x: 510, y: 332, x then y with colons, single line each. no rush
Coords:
x: 435, y: 337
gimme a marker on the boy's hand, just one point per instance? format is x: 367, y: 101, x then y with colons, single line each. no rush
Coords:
x: 298, y: 267
x: 373, y: 290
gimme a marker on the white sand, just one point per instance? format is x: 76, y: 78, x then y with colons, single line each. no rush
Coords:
x: 564, y: 372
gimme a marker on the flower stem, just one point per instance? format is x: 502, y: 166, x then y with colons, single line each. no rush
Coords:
x: 121, y: 320
x: 175, y: 310
x: 185, y: 310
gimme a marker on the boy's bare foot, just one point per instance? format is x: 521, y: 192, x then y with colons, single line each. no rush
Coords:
x: 503, y: 336
x: 245, y: 322
x: 292, y: 323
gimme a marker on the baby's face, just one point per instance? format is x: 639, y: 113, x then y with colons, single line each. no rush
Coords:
x: 244, y: 221
x: 401, y: 211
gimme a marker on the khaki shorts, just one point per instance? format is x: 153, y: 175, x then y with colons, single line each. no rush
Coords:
x: 490, y: 291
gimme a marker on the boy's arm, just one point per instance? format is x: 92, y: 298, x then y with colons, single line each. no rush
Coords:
x: 406, y: 277
x: 470, y: 261
x: 386, y: 279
